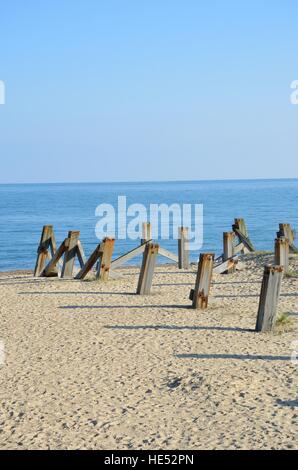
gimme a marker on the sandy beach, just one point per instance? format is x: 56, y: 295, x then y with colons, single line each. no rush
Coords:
x: 91, y: 365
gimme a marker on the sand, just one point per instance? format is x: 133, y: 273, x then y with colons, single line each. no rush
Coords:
x: 91, y: 365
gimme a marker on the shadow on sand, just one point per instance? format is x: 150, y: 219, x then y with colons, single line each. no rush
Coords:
x: 178, y: 328
x: 241, y: 357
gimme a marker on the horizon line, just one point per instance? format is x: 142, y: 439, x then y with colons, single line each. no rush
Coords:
x: 151, y: 181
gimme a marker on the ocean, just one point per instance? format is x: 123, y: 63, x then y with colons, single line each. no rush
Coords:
x: 25, y: 208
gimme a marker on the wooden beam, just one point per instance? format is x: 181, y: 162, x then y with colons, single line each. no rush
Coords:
x: 226, y: 266
x: 282, y: 253
x: 46, y: 249
x: 131, y: 254
x: 269, y: 297
x: 246, y: 242
x: 240, y: 229
x: 183, y: 248
x: 199, y: 295
x: 238, y: 249
x: 70, y: 254
x: 147, y: 269
x: 168, y: 254
x: 80, y: 254
x: 48, y: 270
x: 89, y: 263
x: 104, y: 264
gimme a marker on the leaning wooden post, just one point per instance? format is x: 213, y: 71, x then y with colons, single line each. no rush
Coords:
x: 228, y: 250
x: 282, y: 253
x: 147, y: 269
x: 199, y: 295
x: 47, y: 242
x: 88, y: 265
x: 183, y: 248
x: 269, y: 297
x: 70, y: 254
x: 104, y: 263
x: 146, y: 232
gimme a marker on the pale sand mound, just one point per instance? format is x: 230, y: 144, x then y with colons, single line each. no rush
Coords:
x: 92, y: 365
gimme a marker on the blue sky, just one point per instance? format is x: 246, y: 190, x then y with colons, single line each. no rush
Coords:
x: 113, y: 90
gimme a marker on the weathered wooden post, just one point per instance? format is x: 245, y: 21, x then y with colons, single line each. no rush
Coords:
x: 199, y: 295
x: 70, y: 254
x: 282, y: 253
x: 146, y: 232
x: 228, y: 251
x: 240, y: 224
x: 240, y: 229
x: 147, y: 269
x: 47, y: 242
x: 104, y: 263
x: 285, y: 230
x: 269, y: 297
x: 183, y: 248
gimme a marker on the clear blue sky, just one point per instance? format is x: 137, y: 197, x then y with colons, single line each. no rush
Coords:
x: 115, y: 90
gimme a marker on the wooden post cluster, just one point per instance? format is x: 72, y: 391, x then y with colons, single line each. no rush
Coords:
x: 282, y: 253
x: 183, y: 248
x: 269, y: 297
x: 147, y: 268
x: 71, y: 248
x: 200, y: 294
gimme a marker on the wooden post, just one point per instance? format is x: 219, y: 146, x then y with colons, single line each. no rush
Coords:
x: 104, y: 263
x: 47, y: 242
x: 228, y: 250
x: 285, y: 230
x: 183, y: 248
x: 240, y: 229
x: 269, y: 297
x: 199, y: 295
x: 147, y: 269
x: 282, y: 253
x: 241, y: 226
x: 70, y: 254
x: 146, y: 232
